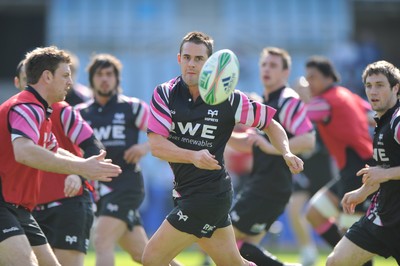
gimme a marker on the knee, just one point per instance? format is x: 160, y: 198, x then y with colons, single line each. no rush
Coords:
x: 148, y: 259
x: 309, y: 213
x: 102, y: 243
x: 137, y: 257
x: 331, y: 260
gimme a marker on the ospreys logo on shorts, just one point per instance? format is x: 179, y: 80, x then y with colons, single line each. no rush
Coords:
x: 234, y: 216
x: 112, y: 207
x: 182, y: 216
x: 71, y: 239
x: 258, y: 228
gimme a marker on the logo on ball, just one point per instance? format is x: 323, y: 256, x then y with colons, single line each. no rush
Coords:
x: 218, y: 77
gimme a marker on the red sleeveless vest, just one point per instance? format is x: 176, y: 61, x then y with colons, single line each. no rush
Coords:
x: 347, y: 127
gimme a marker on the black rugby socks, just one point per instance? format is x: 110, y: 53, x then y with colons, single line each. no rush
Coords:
x: 331, y: 235
x: 255, y: 254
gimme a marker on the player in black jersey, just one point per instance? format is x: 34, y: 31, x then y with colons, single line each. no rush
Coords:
x: 192, y: 136
x: 378, y: 231
x: 116, y: 121
x: 266, y: 192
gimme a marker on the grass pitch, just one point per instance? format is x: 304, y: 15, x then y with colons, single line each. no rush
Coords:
x: 195, y: 258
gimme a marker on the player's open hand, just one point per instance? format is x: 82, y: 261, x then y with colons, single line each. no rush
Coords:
x: 203, y: 159
x: 295, y: 164
x: 72, y: 185
x: 99, y: 168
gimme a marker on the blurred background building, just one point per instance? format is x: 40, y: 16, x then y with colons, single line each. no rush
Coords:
x: 145, y: 35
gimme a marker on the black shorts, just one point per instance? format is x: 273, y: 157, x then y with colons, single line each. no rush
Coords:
x: 201, y: 214
x: 252, y: 214
x: 19, y: 221
x: 66, y: 223
x: 384, y: 241
x: 349, y: 181
x: 122, y: 205
x: 318, y: 171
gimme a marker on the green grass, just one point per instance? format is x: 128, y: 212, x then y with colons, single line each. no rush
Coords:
x: 195, y: 258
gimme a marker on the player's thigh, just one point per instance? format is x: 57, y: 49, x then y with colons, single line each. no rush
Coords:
x: 348, y: 253
x: 221, y: 247
x: 119, y: 204
x: 45, y: 255
x: 16, y: 251
x: 70, y: 257
x: 297, y: 202
x: 167, y: 242
x: 134, y: 242
x: 108, y: 229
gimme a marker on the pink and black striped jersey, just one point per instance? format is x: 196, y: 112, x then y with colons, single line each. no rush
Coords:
x: 271, y: 177
x: 73, y: 134
x: 195, y: 125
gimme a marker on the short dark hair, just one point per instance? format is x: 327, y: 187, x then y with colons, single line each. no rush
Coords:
x: 325, y: 66
x: 198, y: 37
x: 391, y: 72
x: 286, y: 60
x: 41, y: 59
x: 100, y: 61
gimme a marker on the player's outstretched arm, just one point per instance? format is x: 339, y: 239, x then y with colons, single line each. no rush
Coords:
x: 279, y: 140
x: 302, y: 143
x: 96, y: 167
x: 166, y: 150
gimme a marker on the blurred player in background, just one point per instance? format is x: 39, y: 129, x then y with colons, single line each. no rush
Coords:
x: 117, y: 120
x: 267, y: 190
x: 318, y: 171
x: 342, y: 122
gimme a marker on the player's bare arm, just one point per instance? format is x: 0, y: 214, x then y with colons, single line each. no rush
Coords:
x: 65, y: 153
x: 302, y: 143
x: 96, y: 167
x: 279, y: 139
x: 297, y: 144
x: 168, y: 151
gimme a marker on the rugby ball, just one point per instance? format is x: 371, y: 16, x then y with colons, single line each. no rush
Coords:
x: 218, y: 77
